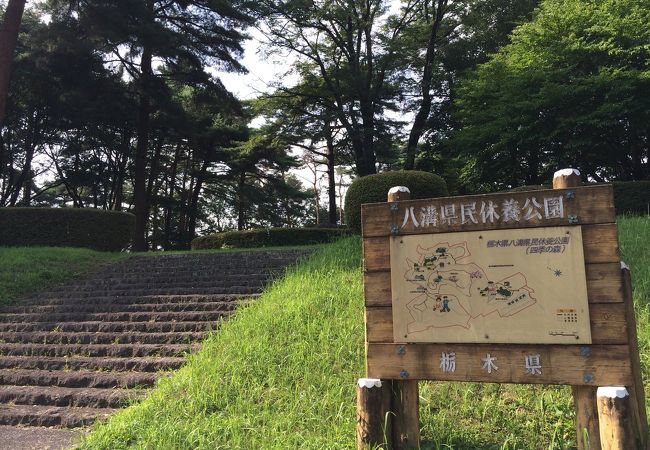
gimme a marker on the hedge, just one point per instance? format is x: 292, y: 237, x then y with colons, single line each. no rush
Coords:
x: 630, y: 197
x: 265, y: 237
x: 66, y: 227
x: 374, y: 188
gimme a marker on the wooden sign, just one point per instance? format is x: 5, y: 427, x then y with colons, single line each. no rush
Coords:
x: 521, y: 287
x: 592, y: 277
x: 525, y: 286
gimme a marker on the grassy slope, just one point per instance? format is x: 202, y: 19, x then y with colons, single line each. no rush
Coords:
x: 26, y: 270
x: 281, y: 376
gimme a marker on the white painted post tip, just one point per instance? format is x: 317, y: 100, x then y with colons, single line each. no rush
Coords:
x: 396, y: 189
x: 612, y: 392
x: 566, y: 173
x: 369, y: 383
x: 624, y: 266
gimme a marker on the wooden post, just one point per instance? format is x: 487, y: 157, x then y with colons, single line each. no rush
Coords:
x: 406, y: 423
x: 373, y: 418
x: 405, y: 395
x: 616, y: 419
x: 584, y: 397
x: 636, y: 391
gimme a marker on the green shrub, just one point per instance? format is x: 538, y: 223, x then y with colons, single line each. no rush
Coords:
x: 374, y: 188
x: 66, y: 227
x: 630, y: 197
x: 267, y: 237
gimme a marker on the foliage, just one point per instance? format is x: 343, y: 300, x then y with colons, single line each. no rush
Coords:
x: 632, y: 197
x: 26, y: 270
x: 374, y: 188
x: 571, y: 90
x: 267, y: 237
x: 66, y: 227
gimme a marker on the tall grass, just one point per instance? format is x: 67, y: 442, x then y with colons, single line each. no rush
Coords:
x: 281, y: 375
x: 25, y: 270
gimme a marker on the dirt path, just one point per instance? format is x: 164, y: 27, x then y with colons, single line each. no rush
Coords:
x: 38, y: 438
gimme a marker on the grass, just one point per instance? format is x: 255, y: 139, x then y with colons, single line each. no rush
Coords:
x: 281, y: 375
x: 25, y: 270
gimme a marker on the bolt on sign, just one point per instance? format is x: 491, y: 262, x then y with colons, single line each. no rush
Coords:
x: 519, y: 287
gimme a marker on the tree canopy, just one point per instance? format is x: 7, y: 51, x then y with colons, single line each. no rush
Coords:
x: 571, y: 89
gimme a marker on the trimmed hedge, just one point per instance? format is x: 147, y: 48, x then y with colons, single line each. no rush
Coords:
x: 374, y: 188
x: 630, y: 197
x: 66, y: 227
x: 266, y: 237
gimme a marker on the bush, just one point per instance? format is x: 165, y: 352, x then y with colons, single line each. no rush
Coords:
x: 374, y: 188
x: 66, y: 227
x: 630, y: 197
x: 267, y: 237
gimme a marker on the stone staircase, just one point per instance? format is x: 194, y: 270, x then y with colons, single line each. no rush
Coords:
x: 77, y: 352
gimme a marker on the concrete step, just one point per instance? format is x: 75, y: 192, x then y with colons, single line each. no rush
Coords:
x: 232, y: 290
x: 144, y: 316
x: 62, y: 396
x: 134, y: 299
x: 111, y: 327
x: 51, y: 416
x: 77, y: 379
x: 121, y: 307
x: 42, y: 337
x: 145, y: 364
x: 97, y: 350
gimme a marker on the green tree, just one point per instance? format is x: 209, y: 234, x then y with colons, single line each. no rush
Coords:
x: 347, y: 46
x: 9, y: 29
x: 572, y: 89
x: 143, y: 35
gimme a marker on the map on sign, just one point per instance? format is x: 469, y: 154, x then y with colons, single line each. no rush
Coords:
x: 523, y: 286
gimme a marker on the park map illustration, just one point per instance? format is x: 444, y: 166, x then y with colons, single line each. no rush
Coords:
x: 514, y: 286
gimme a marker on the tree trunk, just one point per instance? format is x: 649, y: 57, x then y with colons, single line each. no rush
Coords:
x: 331, y: 176
x: 140, y: 185
x: 193, y: 208
x: 171, y: 186
x: 241, y: 219
x: 8, y: 38
x: 420, y: 121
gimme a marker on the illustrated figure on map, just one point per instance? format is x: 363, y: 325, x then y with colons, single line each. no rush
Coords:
x: 492, y: 291
x: 445, y: 304
x: 438, y: 304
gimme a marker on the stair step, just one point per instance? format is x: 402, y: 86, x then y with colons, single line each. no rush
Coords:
x: 135, y: 299
x: 63, y: 396
x: 111, y: 327
x: 77, y: 379
x: 146, y: 316
x: 110, y: 307
x: 51, y: 416
x: 138, y: 292
x: 97, y: 350
x: 145, y: 364
x: 42, y: 337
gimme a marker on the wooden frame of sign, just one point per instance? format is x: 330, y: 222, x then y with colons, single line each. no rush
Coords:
x: 610, y: 359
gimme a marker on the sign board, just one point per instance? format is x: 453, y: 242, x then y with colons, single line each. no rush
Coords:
x: 572, y: 327
x: 524, y: 286
x: 518, y: 287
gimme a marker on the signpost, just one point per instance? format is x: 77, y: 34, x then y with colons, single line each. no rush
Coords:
x: 522, y: 287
